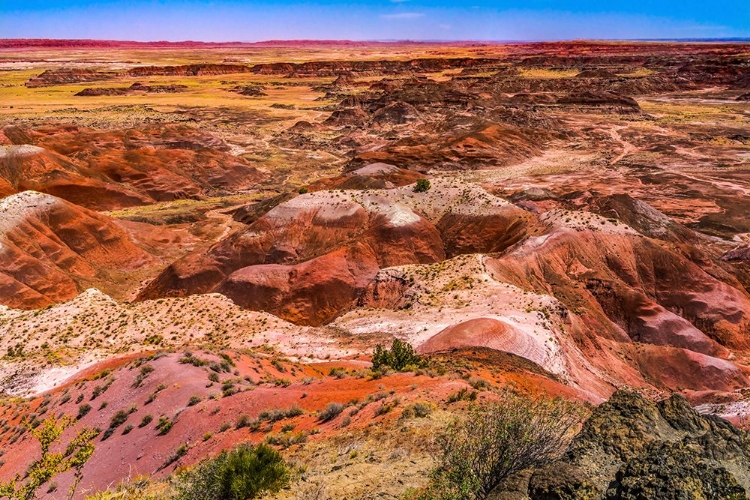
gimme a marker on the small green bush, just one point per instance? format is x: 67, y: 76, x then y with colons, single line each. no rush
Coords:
x: 401, y: 357
x: 83, y: 410
x: 422, y: 186
x: 510, y: 434
x: 145, y: 372
x: 164, y: 425
x: 118, y: 419
x: 243, y: 473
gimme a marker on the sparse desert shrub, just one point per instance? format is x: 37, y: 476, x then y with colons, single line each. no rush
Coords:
x: 145, y: 421
x: 422, y: 186
x: 497, y: 440
x: 83, y: 410
x: 194, y: 400
x: 463, y: 394
x: 153, y: 395
x: 177, y: 454
x: 189, y: 359
x: 117, y: 420
x: 243, y: 421
x: 145, y: 371
x: 420, y: 409
x: 401, y: 357
x: 287, y: 439
x: 303, y: 190
x: 339, y: 373
x: 479, y: 384
x: 164, y: 425
x: 243, y: 473
x: 331, y: 411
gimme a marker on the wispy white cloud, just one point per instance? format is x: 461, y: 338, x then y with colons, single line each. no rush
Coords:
x: 403, y: 15
x: 399, y: 1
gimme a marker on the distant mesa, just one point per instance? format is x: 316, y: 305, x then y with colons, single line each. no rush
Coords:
x: 596, y: 73
x: 65, y: 76
x: 249, y: 90
x: 188, y: 70
x: 134, y: 88
x: 603, y: 99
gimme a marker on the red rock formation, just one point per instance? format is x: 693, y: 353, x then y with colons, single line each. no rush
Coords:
x: 65, y: 76
x: 653, y: 293
x: 373, y: 176
x: 51, y: 249
x: 300, y: 230
x: 310, y: 293
x: 26, y: 167
x: 480, y: 332
x: 131, y: 167
x: 488, y: 232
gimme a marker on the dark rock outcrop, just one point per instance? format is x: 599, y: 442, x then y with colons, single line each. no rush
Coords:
x: 633, y: 448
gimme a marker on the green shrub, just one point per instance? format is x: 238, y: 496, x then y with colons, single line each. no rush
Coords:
x: 177, y: 454
x: 145, y: 372
x: 164, y: 425
x: 243, y: 473
x: 117, y: 420
x: 420, y: 409
x: 50, y: 464
x: 401, y: 357
x: 83, y: 410
x: 145, y: 421
x: 422, y: 186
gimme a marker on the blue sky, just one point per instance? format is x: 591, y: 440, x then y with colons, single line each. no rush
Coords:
x: 231, y: 20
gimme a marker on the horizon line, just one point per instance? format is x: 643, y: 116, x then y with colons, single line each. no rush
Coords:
x: 41, y: 42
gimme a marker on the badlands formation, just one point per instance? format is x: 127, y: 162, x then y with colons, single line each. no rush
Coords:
x: 204, y: 235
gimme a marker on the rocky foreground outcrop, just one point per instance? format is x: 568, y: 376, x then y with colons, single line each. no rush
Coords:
x: 633, y: 448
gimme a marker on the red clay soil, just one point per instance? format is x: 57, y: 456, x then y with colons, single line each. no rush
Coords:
x: 480, y: 332
x: 259, y: 383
